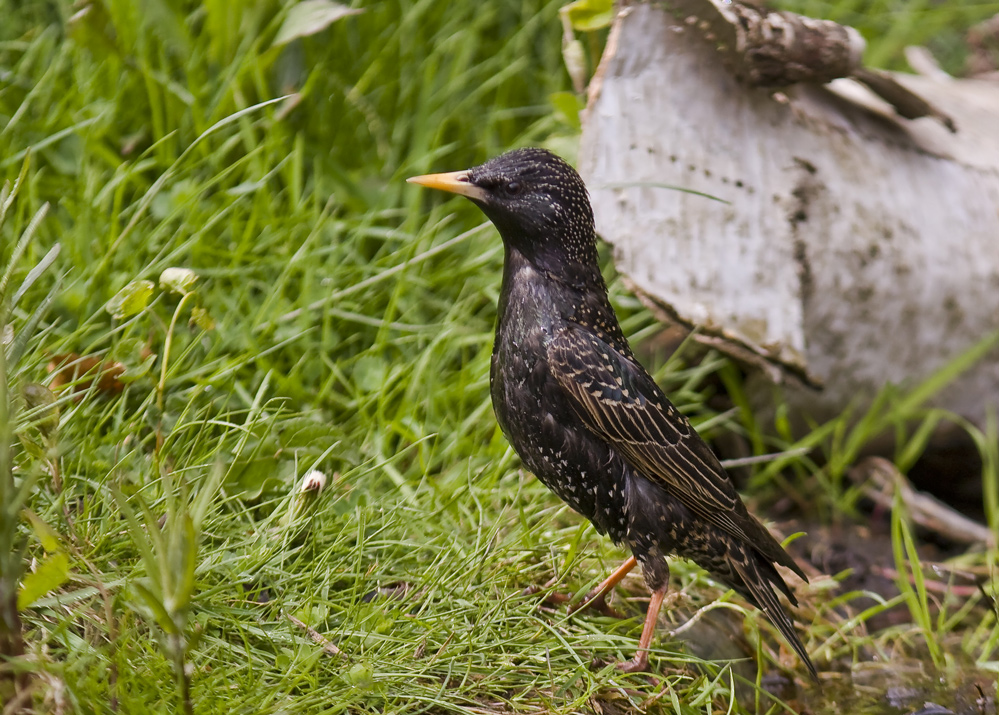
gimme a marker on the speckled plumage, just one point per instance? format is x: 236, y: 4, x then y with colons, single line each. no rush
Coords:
x: 585, y: 417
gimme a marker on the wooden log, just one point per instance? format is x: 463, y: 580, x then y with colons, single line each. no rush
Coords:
x: 851, y: 247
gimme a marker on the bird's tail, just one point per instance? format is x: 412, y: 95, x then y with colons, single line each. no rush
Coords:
x: 758, y: 579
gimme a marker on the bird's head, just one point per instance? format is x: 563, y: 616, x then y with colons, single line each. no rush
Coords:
x: 537, y: 202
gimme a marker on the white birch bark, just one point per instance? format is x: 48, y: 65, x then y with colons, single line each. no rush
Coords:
x: 855, y: 248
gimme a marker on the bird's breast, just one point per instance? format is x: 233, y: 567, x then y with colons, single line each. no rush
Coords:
x: 535, y: 412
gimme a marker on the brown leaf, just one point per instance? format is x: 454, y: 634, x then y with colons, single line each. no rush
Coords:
x: 82, y: 371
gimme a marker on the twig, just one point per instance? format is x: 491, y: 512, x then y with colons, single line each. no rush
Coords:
x: 698, y: 614
x: 316, y: 636
x: 878, y: 479
x: 18, y: 703
x: 931, y: 584
x: 760, y: 458
x: 440, y: 650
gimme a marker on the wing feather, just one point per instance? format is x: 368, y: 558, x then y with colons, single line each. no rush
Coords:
x: 621, y: 403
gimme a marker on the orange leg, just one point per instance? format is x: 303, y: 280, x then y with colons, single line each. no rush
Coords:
x: 597, y: 598
x: 641, y: 660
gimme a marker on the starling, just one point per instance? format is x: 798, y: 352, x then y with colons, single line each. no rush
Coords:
x: 584, y: 415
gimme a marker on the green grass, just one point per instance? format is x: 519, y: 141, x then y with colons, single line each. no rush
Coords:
x: 340, y: 320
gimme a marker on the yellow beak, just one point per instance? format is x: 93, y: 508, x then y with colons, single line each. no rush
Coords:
x: 455, y: 182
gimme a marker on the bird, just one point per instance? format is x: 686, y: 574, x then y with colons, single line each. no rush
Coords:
x: 584, y: 415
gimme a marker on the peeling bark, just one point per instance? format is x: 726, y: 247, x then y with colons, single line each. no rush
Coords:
x: 854, y: 248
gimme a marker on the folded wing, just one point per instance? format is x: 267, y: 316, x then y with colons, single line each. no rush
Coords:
x: 618, y: 399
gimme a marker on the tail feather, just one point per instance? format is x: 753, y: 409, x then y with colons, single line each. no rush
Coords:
x: 758, y: 579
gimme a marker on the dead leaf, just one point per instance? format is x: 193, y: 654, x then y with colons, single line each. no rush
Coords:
x: 82, y: 371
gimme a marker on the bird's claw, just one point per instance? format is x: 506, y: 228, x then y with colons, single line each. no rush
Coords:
x: 592, y: 601
x: 551, y: 600
x: 596, y: 602
x: 638, y: 664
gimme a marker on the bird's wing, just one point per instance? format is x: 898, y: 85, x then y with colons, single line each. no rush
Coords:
x: 621, y: 403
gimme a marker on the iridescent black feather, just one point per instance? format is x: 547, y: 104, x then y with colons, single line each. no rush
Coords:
x: 585, y: 416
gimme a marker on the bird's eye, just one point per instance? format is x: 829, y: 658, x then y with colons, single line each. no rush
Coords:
x: 513, y: 188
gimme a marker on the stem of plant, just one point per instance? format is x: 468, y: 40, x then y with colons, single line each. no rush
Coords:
x: 179, y: 648
x: 164, y: 364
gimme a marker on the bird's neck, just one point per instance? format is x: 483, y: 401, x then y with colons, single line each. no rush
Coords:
x: 573, y: 263
x: 557, y: 295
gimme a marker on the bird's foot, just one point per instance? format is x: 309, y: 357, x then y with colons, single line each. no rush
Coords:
x: 551, y: 600
x: 638, y: 664
x: 596, y: 601
x: 672, y: 598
